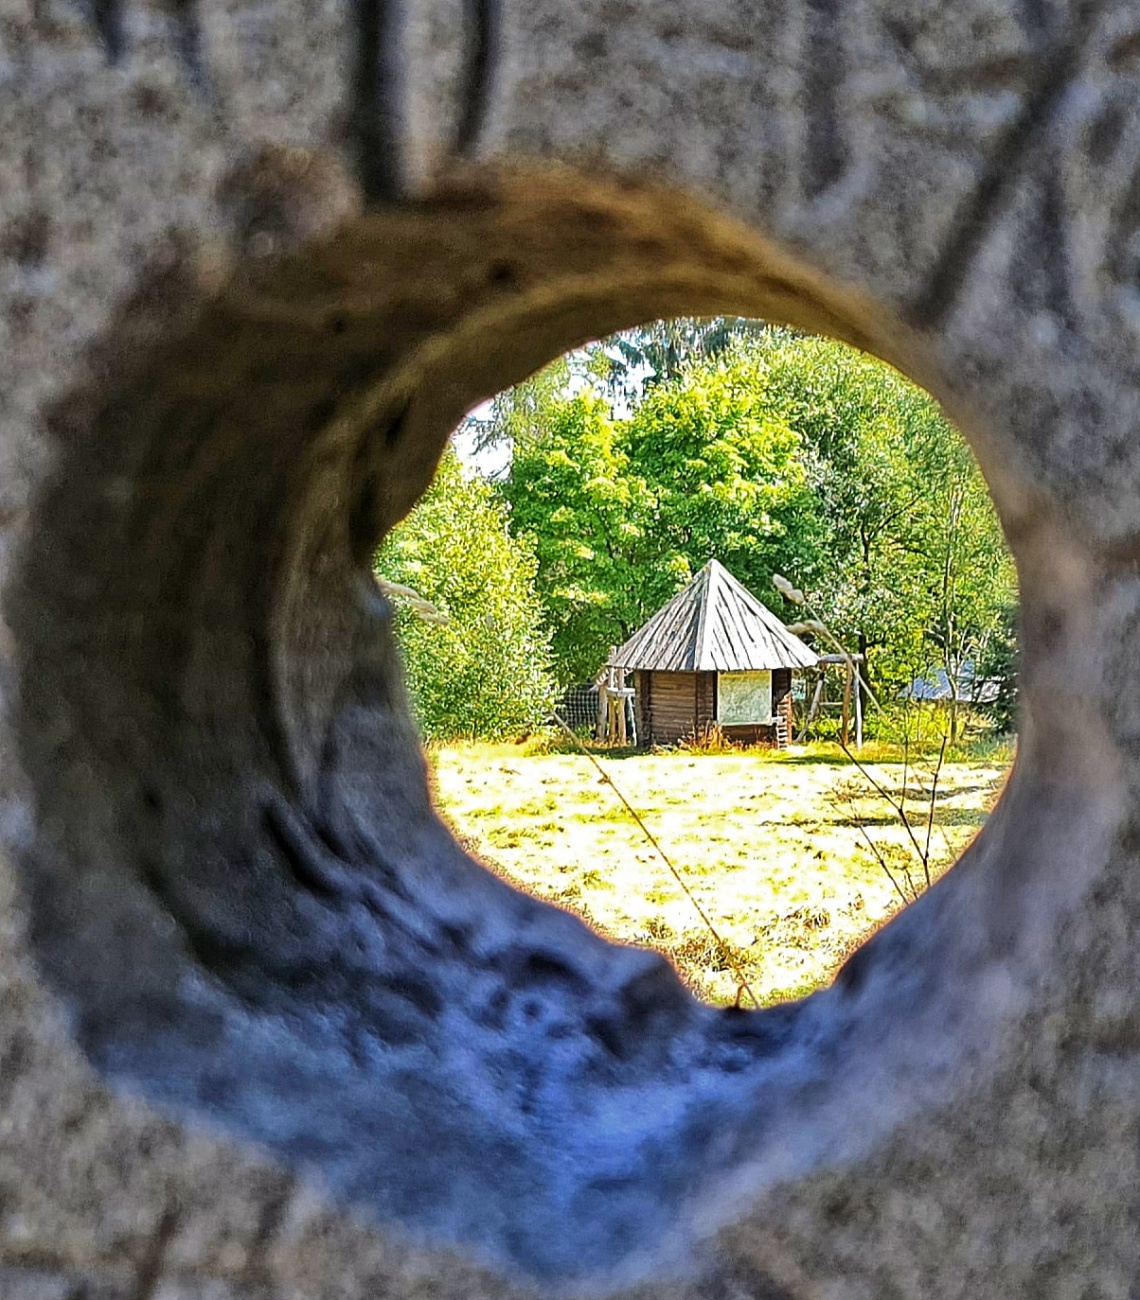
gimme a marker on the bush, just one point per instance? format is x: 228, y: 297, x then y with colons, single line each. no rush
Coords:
x: 486, y: 673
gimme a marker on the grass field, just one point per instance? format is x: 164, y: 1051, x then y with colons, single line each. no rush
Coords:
x: 788, y: 853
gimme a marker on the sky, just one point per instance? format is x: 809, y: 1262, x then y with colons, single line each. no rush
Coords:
x: 491, y: 462
x: 494, y: 462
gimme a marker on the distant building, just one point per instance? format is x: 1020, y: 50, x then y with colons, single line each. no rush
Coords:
x: 966, y: 687
x: 714, y: 656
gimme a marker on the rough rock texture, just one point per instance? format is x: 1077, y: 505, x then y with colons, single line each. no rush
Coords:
x: 266, y: 1031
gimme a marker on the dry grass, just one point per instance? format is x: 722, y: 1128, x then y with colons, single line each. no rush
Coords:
x: 773, y: 845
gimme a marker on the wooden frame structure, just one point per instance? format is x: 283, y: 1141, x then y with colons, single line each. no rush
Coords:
x: 852, y: 695
x: 615, y: 702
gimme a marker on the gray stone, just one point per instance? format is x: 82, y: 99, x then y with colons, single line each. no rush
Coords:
x: 266, y: 1030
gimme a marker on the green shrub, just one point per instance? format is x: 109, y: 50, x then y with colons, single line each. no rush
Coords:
x: 485, y: 673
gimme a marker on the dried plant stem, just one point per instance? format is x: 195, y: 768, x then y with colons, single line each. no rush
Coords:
x: 725, y: 950
x: 898, y: 808
x: 930, y: 813
x: 818, y: 626
x: 841, y: 649
x: 877, y: 853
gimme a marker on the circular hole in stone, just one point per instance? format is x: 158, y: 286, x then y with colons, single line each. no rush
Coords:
x: 802, y: 770
x: 239, y: 883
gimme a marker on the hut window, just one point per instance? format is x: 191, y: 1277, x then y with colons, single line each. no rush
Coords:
x: 744, y: 697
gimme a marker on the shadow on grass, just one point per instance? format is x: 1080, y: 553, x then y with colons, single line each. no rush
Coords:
x: 944, y: 817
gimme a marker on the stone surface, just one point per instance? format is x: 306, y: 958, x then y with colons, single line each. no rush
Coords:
x: 266, y: 1031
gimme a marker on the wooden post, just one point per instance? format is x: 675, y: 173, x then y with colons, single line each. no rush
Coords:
x: 844, y: 725
x: 603, y: 702
x: 858, y: 711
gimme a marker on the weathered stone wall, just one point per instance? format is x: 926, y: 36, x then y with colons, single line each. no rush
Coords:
x: 265, y: 1030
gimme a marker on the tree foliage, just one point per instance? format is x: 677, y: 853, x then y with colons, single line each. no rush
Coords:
x: 998, y: 663
x: 519, y: 416
x: 773, y: 452
x: 574, y: 499
x: 486, y: 672
x: 723, y: 477
x: 917, y: 572
x: 622, y: 513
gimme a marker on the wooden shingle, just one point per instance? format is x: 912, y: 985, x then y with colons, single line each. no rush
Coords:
x: 713, y: 625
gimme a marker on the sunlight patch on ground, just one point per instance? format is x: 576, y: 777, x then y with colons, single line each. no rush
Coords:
x: 771, y: 845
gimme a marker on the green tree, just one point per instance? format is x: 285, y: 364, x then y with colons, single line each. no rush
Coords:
x: 621, y: 513
x: 916, y: 569
x: 634, y: 360
x: 997, y: 663
x: 578, y: 502
x: 970, y: 579
x: 774, y: 452
x: 486, y: 672
x: 520, y: 415
x: 723, y: 477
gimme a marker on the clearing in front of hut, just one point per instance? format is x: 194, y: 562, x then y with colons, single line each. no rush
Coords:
x: 792, y: 855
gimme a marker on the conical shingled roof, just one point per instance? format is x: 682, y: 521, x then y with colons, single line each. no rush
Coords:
x: 713, y: 625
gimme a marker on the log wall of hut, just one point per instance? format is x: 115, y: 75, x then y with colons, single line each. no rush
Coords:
x: 678, y: 706
x: 674, y: 706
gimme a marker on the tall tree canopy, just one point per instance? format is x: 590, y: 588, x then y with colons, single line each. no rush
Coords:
x: 773, y: 452
x: 915, y: 571
x: 574, y: 497
x: 621, y: 513
x: 630, y: 362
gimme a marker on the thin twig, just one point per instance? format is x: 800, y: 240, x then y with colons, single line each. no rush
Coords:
x: 923, y: 793
x: 898, y: 807
x: 875, y: 850
x: 725, y: 950
x: 905, y: 780
x: 930, y: 814
x: 899, y: 810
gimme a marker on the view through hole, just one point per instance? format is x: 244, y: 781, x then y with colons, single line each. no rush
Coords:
x: 812, y: 726
x: 241, y: 887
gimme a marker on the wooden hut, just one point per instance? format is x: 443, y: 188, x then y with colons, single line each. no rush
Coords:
x: 714, y: 656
